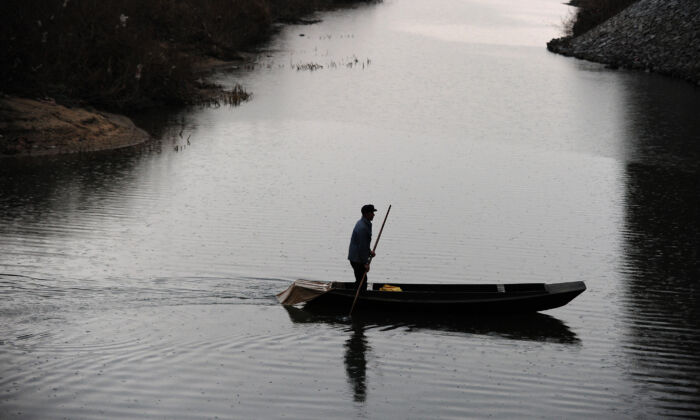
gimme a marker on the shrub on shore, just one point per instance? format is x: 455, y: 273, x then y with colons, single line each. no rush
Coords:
x: 126, y: 54
x: 592, y: 13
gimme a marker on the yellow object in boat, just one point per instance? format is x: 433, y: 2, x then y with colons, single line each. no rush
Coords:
x: 390, y: 288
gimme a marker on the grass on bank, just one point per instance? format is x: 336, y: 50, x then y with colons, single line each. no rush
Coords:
x: 130, y: 54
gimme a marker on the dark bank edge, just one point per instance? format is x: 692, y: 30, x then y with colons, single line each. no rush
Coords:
x: 71, y: 69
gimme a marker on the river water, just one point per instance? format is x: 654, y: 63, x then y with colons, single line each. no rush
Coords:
x: 140, y: 283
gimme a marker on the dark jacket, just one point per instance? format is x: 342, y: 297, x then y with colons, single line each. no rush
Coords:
x: 360, y: 241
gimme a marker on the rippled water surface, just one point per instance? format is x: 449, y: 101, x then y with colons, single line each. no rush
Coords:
x: 140, y: 283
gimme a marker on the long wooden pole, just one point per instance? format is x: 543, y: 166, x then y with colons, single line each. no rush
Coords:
x: 364, y: 276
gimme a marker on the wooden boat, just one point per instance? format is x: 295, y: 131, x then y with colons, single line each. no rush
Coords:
x: 432, y: 298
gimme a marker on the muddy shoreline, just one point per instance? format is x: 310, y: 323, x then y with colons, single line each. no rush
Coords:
x: 33, y: 127
x: 41, y: 126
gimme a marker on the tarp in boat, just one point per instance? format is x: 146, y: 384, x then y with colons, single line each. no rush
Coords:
x: 303, y: 291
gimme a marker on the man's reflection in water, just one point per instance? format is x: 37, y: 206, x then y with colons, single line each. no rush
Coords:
x: 356, y: 362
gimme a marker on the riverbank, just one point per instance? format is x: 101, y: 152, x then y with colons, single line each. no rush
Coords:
x: 68, y: 62
x: 661, y: 36
x: 31, y: 127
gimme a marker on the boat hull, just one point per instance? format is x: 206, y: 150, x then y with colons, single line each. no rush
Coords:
x: 453, y: 299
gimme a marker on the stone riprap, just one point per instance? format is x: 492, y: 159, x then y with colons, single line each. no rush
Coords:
x: 662, y: 36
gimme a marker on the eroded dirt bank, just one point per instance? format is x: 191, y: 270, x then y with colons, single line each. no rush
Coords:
x: 32, y: 127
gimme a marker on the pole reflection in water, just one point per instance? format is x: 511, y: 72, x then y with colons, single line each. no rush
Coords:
x: 356, y: 348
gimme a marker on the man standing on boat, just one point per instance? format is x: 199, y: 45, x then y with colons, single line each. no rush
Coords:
x: 360, y: 250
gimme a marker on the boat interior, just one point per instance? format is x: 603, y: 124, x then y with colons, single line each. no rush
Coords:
x: 463, y: 288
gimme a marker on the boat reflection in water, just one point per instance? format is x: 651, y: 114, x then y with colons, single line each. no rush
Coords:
x: 533, y: 327
x: 529, y: 327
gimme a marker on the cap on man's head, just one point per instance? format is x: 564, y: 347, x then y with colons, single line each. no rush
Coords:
x: 368, y: 208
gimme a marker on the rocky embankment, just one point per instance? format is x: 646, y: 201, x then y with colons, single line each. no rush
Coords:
x: 662, y: 36
x: 31, y: 127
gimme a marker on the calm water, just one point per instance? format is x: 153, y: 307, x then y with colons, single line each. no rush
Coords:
x: 140, y: 283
